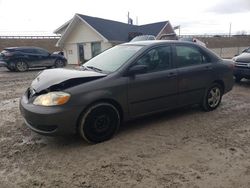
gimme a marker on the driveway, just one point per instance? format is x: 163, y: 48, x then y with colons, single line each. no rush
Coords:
x: 181, y: 148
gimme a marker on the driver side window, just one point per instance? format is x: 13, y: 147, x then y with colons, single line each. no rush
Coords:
x: 157, y: 59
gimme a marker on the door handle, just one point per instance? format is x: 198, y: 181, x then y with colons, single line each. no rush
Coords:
x: 172, y: 74
x: 208, y: 68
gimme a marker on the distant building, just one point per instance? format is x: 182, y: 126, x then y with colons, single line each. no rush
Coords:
x: 84, y: 37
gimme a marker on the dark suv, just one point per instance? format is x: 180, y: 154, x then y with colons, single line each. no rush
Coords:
x: 242, y: 65
x: 22, y: 58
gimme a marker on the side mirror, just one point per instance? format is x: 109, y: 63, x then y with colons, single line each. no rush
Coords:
x: 137, y: 69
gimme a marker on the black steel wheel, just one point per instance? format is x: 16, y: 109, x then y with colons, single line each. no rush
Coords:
x: 99, y: 123
x: 21, y: 66
x: 212, y: 97
x: 59, y: 63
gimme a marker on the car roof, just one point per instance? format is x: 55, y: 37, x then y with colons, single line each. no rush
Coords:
x: 23, y: 47
x: 151, y: 43
x: 154, y: 42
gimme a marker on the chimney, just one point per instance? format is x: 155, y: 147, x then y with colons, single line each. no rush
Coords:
x: 130, y: 21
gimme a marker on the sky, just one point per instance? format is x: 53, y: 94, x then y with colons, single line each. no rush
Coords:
x: 42, y: 17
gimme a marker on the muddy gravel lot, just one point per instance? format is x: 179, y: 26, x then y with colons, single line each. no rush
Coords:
x: 181, y: 148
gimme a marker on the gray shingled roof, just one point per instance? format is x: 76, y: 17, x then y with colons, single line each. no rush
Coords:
x: 118, y: 31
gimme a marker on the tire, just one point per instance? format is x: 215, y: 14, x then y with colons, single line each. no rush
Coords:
x: 59, y: 63
x: 212, y: 98
x: 21, y: 66
x: 99, y: 123
x: 238, y: 79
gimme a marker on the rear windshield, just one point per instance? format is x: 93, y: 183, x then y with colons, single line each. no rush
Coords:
x: 9, y: 50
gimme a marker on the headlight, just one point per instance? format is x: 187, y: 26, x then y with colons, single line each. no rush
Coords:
x: 52, y: 99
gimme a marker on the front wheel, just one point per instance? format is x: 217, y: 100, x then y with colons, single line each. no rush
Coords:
x: 212, y: 97
x: 99, y: 123
x: 21, y: 66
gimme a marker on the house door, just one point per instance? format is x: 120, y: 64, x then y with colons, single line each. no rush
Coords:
x: 81, y: 53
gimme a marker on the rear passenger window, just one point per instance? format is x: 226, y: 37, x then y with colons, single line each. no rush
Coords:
x: 40, y: 51
x: 188, y: 56
x: 28, y: 51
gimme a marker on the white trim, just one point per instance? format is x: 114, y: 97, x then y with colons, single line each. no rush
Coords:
x: 105, y: 40
x: 72, y: 24
x: 162, y: 29
x: 68, y: 29
x: 62, y: 26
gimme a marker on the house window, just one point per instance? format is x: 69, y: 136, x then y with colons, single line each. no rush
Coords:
x: 95, y: 48
x: 70, y: 52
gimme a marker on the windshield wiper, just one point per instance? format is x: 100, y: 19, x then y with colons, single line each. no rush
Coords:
x: 94, y: 68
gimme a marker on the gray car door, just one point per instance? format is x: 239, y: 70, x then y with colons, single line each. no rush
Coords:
x: 195, y: 73
x: 156, y: 89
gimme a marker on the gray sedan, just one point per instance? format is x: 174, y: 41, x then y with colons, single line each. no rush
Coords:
x: 125, y: 82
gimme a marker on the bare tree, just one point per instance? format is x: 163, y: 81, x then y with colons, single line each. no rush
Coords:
x: 242, y: 32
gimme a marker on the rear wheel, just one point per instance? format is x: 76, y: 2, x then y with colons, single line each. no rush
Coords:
x: 212, y: 97
x: 21, y: 66
x: 99, y: 123
x: 59, y: 63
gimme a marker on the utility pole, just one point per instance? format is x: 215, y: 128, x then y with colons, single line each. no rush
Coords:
x: 178, y: 27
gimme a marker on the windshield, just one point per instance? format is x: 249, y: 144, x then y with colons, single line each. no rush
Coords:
x: 247, y: 50
x: 113, y: 58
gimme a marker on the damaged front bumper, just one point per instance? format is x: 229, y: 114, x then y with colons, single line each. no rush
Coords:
x: 53, y: 120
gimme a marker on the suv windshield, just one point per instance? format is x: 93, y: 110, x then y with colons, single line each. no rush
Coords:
x: 112, y: 59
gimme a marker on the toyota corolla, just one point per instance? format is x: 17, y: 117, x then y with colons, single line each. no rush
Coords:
x: 122, y: 83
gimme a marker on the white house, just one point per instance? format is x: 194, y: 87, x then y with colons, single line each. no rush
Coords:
x: 83, y: 36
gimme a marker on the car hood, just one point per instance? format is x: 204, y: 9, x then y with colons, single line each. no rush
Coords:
x: 59, y: 79
x: 244, y: 57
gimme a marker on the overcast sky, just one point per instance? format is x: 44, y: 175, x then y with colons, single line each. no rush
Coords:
x: 194, y: 16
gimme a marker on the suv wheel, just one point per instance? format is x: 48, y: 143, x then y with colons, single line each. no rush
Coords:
x: 212, y: 97
x: 59, y: 63
x: 21, y: 66
x: 99, y: 123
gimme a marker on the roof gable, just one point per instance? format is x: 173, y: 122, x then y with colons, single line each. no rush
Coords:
x: 111, y: 30
x: 118, y: 31
x: 153, y: 29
